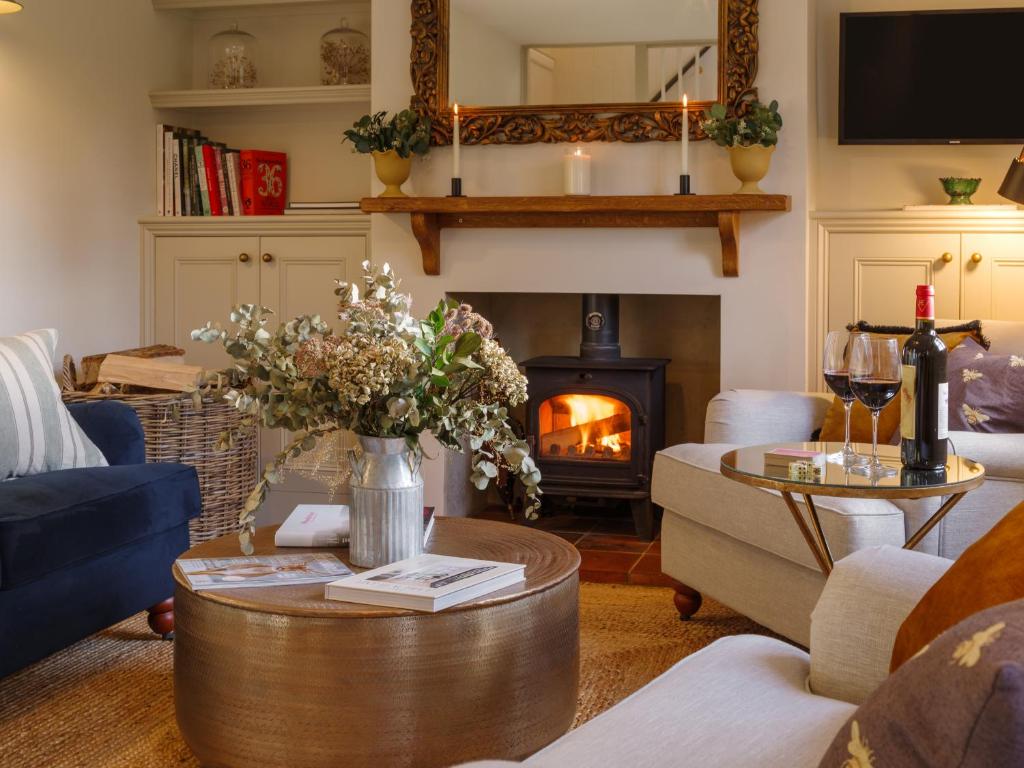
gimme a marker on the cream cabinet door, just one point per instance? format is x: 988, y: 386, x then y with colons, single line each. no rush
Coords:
x: 993, y: 276
x: 297, y: 275
x: 872, y: 276
x: 198, y: 279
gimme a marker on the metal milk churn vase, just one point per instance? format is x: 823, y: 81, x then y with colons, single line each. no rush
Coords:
x: 386, y: 520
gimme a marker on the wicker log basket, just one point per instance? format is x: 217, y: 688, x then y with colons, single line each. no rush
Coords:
x: 176, y: 431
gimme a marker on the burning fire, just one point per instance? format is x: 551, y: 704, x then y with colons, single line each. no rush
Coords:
x: 585, y: 426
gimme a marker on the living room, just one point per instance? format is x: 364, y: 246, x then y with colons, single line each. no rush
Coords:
x: 704, y: 488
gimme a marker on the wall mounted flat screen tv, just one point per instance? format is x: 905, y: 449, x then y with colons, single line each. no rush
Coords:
x: 931, y: 77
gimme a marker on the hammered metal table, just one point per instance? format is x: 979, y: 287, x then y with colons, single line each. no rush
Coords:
x: 746, y: 465
x: 281, y: 677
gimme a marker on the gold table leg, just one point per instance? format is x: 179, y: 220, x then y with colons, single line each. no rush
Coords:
x: 819, y: 548
x: 932, y: 521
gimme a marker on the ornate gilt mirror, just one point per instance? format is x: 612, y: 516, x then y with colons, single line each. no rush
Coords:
x: 525, y: 71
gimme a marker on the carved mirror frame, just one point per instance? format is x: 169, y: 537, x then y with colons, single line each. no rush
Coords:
x: 528, y: 124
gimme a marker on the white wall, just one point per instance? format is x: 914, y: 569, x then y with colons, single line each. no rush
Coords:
x: 763, y: 311
x: 874, y: 177
x: 76, y: 152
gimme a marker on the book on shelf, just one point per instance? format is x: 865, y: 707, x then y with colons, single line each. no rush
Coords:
x: 426, y: 582
x: 264, y: 182
x: 196, y: 176
x: 261, y: 570
x: 327, y: 525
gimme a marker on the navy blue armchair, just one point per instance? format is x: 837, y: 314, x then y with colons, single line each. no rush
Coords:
x: 81, y: 549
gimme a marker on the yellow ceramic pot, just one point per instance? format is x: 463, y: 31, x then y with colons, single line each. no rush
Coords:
x: 749, y: 165
x: 393, y: 171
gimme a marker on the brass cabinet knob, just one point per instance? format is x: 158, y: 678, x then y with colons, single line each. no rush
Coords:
x: 267, y: 258
x: 243, y: 257
x: 976, y: 258
x: 947, y: 257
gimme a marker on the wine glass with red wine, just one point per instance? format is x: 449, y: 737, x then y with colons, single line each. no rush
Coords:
x: 836, y: 368
x: 875, y: 378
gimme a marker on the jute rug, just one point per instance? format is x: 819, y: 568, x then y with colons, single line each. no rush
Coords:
x: 106, y: 702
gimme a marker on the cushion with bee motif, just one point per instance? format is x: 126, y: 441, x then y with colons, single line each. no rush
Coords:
x: 986, y: 391
x: 959, y: 703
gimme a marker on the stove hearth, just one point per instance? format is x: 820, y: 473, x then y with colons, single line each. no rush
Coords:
x: 595, y: 421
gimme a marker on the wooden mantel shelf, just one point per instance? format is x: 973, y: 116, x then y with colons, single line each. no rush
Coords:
x: 429, y: 215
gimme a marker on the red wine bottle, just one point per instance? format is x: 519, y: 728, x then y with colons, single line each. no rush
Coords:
x: 924, y: 416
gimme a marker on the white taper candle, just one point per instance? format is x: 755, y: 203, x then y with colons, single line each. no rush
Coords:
x: 685, y: 136
x: 456, y: 166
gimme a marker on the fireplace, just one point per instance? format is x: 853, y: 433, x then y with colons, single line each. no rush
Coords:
x: 595, y: 421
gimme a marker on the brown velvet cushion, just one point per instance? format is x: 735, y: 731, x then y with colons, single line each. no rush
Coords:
x: 834, y: 427
x: 986, y: 391
x: 989, y: 572
x: 959, y: 704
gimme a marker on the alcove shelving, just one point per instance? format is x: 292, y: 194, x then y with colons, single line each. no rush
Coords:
x: 289, y: 110
x: 213, y: 98
x: 287, y: 34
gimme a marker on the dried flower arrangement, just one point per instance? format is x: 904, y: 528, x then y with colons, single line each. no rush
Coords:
x: 386, y: 375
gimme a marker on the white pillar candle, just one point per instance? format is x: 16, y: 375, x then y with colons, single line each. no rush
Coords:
x: 685, y: 136
x: 576, y: 173
x: 456, y: 166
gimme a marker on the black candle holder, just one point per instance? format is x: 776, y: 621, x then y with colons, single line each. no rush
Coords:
x: 684, y: 184
x: 457, y: 187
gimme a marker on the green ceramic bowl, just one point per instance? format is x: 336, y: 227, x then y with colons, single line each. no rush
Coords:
x: 960, y: 190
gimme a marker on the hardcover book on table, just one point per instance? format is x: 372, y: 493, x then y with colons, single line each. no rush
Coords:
x: 314, y: 525
x: 427, y: 582
x: 327, y: 525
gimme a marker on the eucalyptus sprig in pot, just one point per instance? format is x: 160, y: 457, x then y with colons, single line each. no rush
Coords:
x: 750, y: 139
x: 392, y: 141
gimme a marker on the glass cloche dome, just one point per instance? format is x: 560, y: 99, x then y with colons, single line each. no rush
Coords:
x: 344, y: 56
x: 233, y: 59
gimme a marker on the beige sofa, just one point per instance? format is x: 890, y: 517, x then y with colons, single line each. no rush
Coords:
x: 739, y: 545
x: 752, y: 700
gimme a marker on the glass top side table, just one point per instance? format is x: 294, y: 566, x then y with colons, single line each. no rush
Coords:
x: 747, y: 465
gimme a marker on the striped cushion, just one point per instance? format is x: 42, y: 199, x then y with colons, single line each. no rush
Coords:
x: 37, y: 433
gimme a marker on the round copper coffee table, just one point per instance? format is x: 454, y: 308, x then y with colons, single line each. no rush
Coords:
x: 747, y: 466
x: 281, y: 677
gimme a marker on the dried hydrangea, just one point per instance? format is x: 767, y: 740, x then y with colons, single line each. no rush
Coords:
x: 313, y: 356
x: 502, y: 382
x: 361, y: 369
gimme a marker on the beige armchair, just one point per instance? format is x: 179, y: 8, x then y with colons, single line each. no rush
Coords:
x: 753, y: 700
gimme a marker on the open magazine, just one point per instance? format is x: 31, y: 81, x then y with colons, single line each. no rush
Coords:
x: 262, y: 570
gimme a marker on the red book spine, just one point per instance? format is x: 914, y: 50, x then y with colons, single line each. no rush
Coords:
x: 264, y: 182
x: 210, y: 164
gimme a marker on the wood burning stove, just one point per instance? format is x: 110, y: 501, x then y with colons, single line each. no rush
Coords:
x: 595, y: 421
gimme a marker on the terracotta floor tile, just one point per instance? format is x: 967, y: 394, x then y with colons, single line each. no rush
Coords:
x: 647, y: 564
x: 612, y: 542
x: 620, y: 525
x: 614, y: 562
x: 655, y: 547
x: 565, y: 523
x: 604, y: 577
